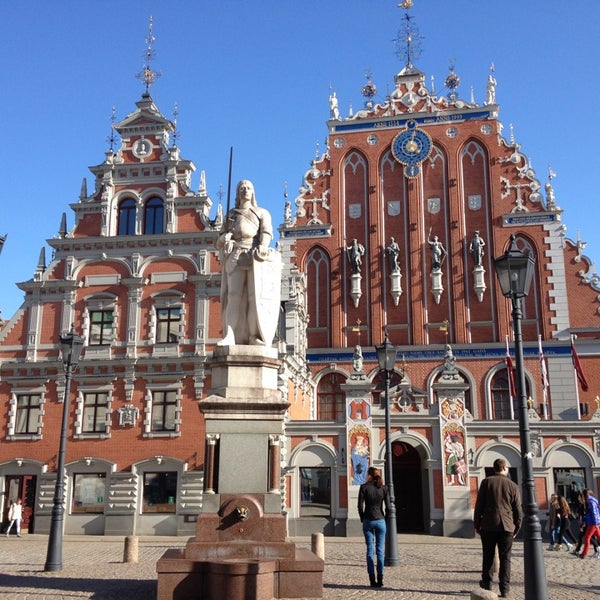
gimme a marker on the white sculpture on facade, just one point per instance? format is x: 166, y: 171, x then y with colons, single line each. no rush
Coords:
x: 251, y: 273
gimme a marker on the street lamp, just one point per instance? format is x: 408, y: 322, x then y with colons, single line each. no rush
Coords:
x: 515, y: 272
x: 386, y: 356
x: 71, y: 346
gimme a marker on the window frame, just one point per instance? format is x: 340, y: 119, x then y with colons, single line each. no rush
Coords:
x: 80, y: 410
x: 153, y: 389
x: 161, y: 507
x: 106, y: 326
x: 91, y: 508
x: 128, y: 208
x: 13, y: 409
x: 154, y: 214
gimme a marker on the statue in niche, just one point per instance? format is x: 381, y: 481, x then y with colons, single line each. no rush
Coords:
x: 251, y: 276
x: 355, y: 253
x: 438, y: 252
x: 357, y: 359
x: 476, y: 248
x: 393, y: 252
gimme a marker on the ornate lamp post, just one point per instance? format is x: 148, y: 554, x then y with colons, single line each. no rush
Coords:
x: 386, y: 356
x: 71, y: 346
x: 515, y: 272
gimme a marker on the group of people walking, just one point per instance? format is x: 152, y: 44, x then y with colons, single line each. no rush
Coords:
x: 497, y: 517
x: 587, y: 516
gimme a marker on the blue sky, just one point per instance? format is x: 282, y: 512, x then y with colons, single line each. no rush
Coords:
x: 256, y: 75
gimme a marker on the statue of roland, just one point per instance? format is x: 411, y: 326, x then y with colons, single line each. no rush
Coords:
x: 251, y: 273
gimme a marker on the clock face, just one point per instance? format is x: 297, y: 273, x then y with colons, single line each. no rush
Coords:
x: 412, y: 146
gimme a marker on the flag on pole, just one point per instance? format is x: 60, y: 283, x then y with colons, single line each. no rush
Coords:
x: 578, y: 369
x: 512, y: 388
x: 543, y: 372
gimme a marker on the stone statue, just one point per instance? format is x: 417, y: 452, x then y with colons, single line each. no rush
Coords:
x: 251, y: 279
x: 334, y: 112
x: 393, y: 251
x: 355, y: 254
x: 438, y: 252
x: 357, y: 359
x: 476, y: 248
x: 491, y: 90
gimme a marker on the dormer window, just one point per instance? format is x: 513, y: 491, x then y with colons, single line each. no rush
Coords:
x: 127, y: 210
x: 154, y: 216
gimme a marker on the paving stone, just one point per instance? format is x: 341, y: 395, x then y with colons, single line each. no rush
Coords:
x: 431, y: 568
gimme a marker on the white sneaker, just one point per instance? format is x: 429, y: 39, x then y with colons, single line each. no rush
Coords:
x: 596, y: 554
x: 569, y: 547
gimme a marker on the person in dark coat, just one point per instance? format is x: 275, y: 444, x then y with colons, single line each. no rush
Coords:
x: 497, y: 518
x: 372, y: 497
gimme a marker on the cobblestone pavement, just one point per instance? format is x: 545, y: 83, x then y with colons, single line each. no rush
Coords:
x: 431, y: 568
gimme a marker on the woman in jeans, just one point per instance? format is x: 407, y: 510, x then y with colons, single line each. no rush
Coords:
x: 372, y: 496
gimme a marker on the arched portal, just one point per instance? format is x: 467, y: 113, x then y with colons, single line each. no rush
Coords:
x: 408, y: 487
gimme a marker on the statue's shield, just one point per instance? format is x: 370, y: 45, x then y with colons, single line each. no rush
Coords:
x: 267, y: 290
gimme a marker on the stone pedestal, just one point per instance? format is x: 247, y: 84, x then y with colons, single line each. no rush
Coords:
x: 240, y: 550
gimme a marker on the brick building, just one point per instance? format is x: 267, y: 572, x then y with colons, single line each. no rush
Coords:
x: 396, y: 227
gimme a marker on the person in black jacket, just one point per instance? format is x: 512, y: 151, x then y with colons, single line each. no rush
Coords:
x: 372, y: 496
x: 497, y: 519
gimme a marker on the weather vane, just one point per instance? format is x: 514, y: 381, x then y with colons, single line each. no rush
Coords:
x: 175, y: 130
x: 111, y: 138
x: 147, y: 75
x: 408, y: 42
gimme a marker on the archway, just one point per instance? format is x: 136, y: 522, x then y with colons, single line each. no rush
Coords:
x: 408, y: 487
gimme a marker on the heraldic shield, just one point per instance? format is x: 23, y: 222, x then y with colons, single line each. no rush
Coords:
x: 267, y: 291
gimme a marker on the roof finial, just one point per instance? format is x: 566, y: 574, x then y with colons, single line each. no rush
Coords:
x: 408, y: 42
x: 175, y: 130
x: 111, y: 138
x: 369, y: 89
x: 147, y: 75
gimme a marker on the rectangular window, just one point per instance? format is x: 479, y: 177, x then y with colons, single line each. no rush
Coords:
x: 101, y: 326
x: 315, y: 490
x: 160, y: 491
x: 167, y: 325
x: 28, y: 413
x: 164, y: 404
x: 89, y: 491
x: 95, y: 407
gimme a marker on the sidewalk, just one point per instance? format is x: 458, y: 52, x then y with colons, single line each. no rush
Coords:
x: 431, y: 568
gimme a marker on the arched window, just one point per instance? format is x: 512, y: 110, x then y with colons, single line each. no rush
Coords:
x: 127, y: 217
x: 154, y: 216
x: 318, y: 297
x: 501, y: 400
x: 331, y: 400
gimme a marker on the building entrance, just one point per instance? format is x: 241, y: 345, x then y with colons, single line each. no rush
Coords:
x: 408, y: 488
x: 20, y: 486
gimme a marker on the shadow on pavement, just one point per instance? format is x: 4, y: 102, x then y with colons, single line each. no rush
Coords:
x: 98, y: 589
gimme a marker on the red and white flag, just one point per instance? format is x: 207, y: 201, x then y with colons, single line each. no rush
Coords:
x: 578, y: 369
x: 543, y: 372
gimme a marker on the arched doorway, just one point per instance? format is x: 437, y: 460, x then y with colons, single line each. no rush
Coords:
x: 408, y: 487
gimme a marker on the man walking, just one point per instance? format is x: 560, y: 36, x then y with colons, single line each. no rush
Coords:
x: 497, y: 519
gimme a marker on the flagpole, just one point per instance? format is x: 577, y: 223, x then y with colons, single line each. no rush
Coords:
x: 544, y: 375
x: 577, y: 403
